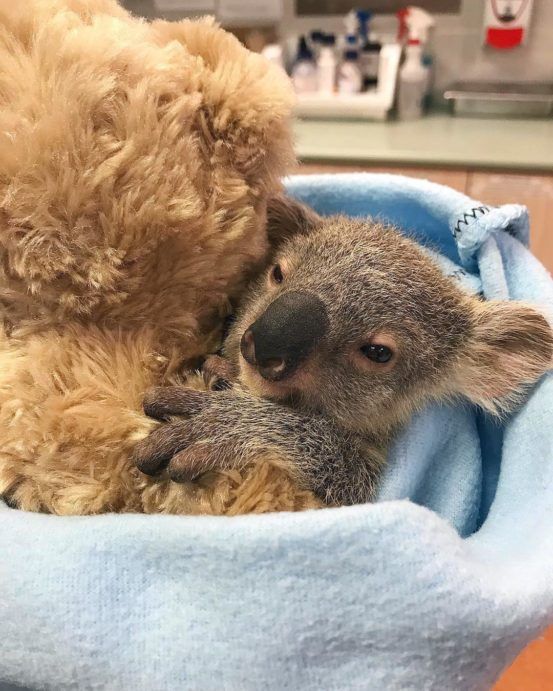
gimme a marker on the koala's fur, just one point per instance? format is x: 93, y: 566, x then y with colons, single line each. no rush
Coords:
x: 135, y: 164
x: 330, y: 418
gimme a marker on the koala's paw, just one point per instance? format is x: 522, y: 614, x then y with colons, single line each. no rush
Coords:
x: 180, y: 449
x: 193, y: 441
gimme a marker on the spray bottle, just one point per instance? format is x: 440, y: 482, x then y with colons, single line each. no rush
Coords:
x: 414, y: 75
x: 425, y: 23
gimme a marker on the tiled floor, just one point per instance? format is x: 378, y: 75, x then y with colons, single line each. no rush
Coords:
x: 532, y: 670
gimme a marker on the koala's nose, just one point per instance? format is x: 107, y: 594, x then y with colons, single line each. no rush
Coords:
x: 285, y: 334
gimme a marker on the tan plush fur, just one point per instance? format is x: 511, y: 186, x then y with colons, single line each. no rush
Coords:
x: 135, y: 164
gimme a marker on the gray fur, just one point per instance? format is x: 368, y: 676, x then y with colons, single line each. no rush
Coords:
x: 320, y: 455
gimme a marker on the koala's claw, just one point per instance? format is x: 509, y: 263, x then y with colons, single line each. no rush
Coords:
x: 153, y: 454
x: 201, y: 457
x: 186, y: 465
x: 161, y: 402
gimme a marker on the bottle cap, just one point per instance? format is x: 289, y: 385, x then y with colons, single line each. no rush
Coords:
x: 304, y: 52
x: 363, y: 19
x: 316, y: 36
x: 419, y: 22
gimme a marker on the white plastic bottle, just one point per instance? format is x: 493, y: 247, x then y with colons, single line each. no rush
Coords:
x: 326, y: 66
x: 413, y: 82
x: 273, y: 53
x: 304, y: 72
x: 350, y: 79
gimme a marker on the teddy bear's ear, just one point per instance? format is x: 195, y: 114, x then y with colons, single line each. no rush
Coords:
x: 287, y: 217
x: 510, y: 348
x: 246, y: 103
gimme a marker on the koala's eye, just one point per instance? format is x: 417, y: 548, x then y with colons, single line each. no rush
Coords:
x: 377, y: 353
x: 276, y: 274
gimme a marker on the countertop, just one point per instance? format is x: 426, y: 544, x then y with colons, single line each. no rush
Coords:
x: 435, y: 140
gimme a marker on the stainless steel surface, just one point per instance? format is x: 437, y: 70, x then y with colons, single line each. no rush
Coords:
x: 509, y: 99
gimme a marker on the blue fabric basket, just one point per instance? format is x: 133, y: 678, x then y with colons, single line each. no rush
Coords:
x: 437, y: 586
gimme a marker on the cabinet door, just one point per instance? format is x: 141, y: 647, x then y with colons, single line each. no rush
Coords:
x: 453, y: 178
x: 534, y: 191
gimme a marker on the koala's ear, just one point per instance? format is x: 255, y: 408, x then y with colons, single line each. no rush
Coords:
x: 511, y: 347
x: 287, y: 217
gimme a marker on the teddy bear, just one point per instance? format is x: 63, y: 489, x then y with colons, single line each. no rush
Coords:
x: 136, y: 162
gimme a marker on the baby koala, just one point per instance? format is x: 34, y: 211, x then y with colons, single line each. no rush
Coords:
x: 352, y: 329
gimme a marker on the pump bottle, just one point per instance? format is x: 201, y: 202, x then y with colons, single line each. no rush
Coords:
x: 326, y: 65
x: 304, y: 72
x: 350, y: 79
x: 370, y: 47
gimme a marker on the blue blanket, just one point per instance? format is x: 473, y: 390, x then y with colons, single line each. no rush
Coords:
x: 437, y: 586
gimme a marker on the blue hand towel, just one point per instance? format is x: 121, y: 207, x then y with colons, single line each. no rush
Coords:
x: 437, y: 586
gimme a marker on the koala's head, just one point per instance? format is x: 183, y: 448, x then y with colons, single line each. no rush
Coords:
x: 357, y: 322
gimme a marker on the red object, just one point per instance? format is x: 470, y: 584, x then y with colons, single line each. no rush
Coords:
x: 504, y: 38
x: 402, y: 30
